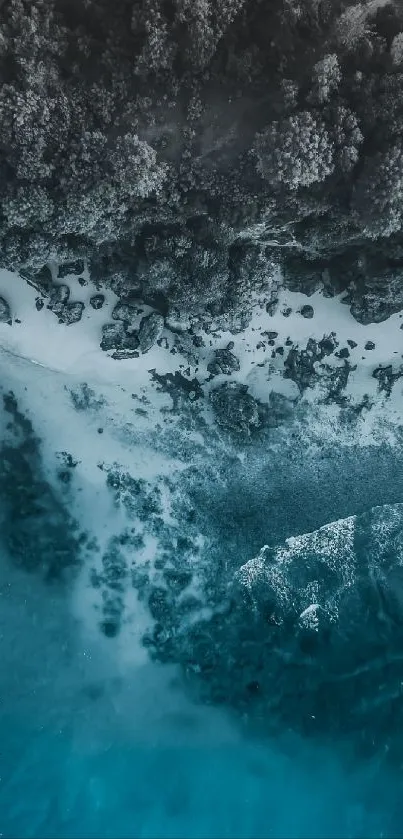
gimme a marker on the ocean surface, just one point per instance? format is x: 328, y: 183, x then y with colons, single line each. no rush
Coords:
x: 89, y: 753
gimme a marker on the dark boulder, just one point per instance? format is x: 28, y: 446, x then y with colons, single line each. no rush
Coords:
x: 97, y: 301
x: 150, y: 330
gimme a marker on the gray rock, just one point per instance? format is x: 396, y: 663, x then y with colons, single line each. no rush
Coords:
x: 84, y: 398
x: 120, y: 355
x: 60, y: 294
x: 97, y: 301
x: 37, y: 529
x: 160, y: 604
x: 327, y: 344
x: 235, y: 321
x: 307, y: 311
x: 177, y: 321
x: 59, y: 297
x: 177, y: 579
x: 125, y: 312
x: 336, y: 380
x: 272, y: 307
x: 184, y: 344
x: 116, y: 336
x: 377, y: 299
x: 72, y: 313
x: 224, y: 362
x: 130, y: 340
x: 112, y: 336
x: 44, y: 277
x: 113, y: 579
x: 151, y: 328
x: 67, y: 313
x: 5, y: 313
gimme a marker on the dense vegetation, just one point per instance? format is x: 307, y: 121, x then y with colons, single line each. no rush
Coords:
x: 187, y: 147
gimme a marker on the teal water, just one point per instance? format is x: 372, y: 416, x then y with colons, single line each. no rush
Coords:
x: 92, y: 746
x: 212, y: 792
x: 57, y: 789
x: 85, y: 752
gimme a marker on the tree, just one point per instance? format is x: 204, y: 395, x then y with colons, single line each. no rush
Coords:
x: 158, y: 50
x: 296, y: 152
x: 347, y: 138
x: 27, y: 206
x: 326, y: 78
x: 34, y: 125
x: 396, y: 49
x: 135, y: 169
x: 377, y: 200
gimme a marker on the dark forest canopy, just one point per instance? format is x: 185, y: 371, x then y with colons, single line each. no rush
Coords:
x: 185, y: 147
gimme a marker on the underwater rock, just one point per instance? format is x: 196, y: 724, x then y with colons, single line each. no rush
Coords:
x: 235, y: 409
x: 300, y: 365
x: 38, y: 531
x: 387, y: 377
x: 179, y: 387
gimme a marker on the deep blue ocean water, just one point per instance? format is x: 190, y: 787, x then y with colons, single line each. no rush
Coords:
x: 85, y: 752
x: 141, y: 790
x: 213, y: 791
